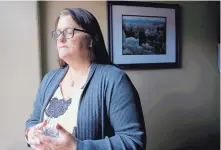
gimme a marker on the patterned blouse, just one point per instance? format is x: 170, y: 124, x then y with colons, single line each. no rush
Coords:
x: 62, y: 111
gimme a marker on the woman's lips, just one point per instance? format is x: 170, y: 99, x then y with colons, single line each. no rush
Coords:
x: 62, y: 46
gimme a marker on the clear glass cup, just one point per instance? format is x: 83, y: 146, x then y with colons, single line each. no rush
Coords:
x: 50, y: 129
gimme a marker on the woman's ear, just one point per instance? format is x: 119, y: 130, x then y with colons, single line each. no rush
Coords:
x: 91, y: 43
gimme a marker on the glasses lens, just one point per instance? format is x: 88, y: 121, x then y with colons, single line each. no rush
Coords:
x: 56, y: 34
x: 68, y: 33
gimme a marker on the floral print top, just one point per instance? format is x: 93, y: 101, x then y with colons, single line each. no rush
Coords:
x: 62, y: 111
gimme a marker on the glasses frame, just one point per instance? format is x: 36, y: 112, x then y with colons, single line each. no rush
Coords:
x: 62, y: 33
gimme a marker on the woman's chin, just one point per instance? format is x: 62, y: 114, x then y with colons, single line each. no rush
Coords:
x: 63, y: 53
x: 64, y: 56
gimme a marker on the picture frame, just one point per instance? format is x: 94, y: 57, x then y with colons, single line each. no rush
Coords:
x: 144, y: 35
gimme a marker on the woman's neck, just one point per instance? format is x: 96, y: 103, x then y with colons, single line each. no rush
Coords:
x: 79, y: 68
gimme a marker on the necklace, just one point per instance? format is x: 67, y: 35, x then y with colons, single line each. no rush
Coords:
x: 71, y: 83
x: 71, y: 78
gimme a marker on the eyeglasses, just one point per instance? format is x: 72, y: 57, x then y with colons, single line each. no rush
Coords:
x: 67, y: 33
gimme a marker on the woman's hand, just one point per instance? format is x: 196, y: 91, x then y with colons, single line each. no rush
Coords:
x: 31, y: 138
x: 65, y: 141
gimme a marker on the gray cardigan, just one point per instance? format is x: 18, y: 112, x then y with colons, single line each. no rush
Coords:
x: 110, y: 114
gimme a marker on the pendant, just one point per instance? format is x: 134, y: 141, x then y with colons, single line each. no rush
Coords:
x: 71, y: 84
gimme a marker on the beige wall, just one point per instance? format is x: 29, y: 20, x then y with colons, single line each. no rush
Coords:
x: 178, y: 104
x: 20, y: 70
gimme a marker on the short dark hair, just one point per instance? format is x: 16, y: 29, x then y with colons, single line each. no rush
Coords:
x: 89, y: 23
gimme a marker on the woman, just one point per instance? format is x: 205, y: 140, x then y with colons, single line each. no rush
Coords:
x: 87, y: 103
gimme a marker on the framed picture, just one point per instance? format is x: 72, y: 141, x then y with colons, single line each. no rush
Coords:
x: 219, y: 58
x: 144, y: 35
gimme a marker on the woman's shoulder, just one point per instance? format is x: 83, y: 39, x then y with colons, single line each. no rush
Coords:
x: 114, y: 76
x: 50, y: 74
x: 110, y: 71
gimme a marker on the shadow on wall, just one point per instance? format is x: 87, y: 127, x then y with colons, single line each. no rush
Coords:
x: 211, y: 142
x: 183, y: 124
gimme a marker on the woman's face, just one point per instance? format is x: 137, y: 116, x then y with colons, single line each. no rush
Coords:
x: 74, y: 48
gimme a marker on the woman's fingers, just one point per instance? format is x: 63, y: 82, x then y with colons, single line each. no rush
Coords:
x: 45, y: 141
x: 41, y: 125
x: 35, y: 148
x: 33, y: 141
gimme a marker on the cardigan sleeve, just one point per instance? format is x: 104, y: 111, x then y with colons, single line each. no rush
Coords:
x: 126, y: 118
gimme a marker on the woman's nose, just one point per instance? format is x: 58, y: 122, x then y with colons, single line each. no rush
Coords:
x: 61, y: 38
